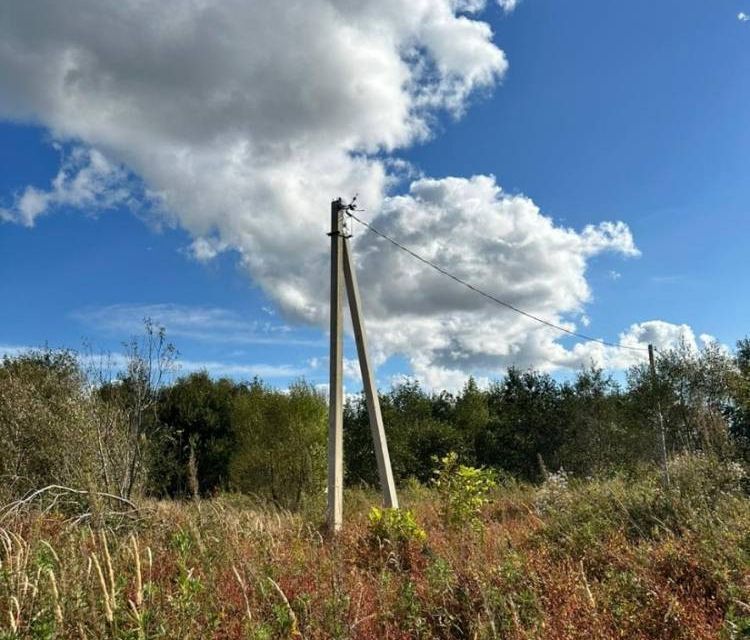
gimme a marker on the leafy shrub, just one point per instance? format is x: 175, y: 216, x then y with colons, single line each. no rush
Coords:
x: 53, y: 429
x: 195, y: 413
x: 463, y: 492
x: 395, y: 536
x: 397, y: 526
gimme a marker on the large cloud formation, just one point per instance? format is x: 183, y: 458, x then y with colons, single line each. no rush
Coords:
x: 500, y: 243
x: 241, y: 119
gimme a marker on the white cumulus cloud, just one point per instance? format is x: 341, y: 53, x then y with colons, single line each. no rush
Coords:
x: 508, y: 5
x: 244, y: 118
x: 663, y: 335
x: 86, y: 180
x: 498, y: 242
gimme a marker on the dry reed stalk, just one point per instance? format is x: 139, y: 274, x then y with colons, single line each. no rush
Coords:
x: 7, y: 546
x: 514, y: 614
x: 16, y: 560
x: 490, y: 617
x: 587, y: 588
x: 51, y: 550
x: 111, y: 573
x: 55, y: 597
x: 15, y: 620
x: 35, y: 584
x: 150, y: 558
x: 294, y: 631
x: 139, y: 620
x: 103, y: 583
x: 17, y: 539
x: 138, y: 575
x: 197, y: 537
x: 31, y: 587
x: 243, y: 586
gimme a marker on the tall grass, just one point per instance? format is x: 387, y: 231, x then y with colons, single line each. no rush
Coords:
x: 610, y: 558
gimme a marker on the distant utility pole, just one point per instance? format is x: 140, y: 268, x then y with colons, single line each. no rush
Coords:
x: 342, y: 269
x: 662, y: 435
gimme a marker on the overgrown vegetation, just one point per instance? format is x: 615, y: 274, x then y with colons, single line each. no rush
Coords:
x: 140, y: 430
x: 137, y: 505
x: 615, y: 558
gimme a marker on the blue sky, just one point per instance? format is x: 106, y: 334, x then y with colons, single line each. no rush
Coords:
x: 635, y: 112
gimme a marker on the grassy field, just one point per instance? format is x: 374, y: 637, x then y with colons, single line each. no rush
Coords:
x: 615, y: 558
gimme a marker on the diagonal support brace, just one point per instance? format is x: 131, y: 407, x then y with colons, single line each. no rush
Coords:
x: 385, y: 472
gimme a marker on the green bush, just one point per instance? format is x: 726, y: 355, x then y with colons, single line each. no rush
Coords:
x: 53, y: 429
x: 463, y: 492
x: 397, y: 526
x: 706, y: 476
x: 583, y: 515
x: 396, y: 537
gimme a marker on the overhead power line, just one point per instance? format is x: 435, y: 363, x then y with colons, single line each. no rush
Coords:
x: 489, y: 296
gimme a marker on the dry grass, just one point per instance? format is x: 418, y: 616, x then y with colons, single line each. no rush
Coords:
x: 607, y: 559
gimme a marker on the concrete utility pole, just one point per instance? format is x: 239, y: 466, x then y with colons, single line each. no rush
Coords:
x: 336, y: 390
x: 342, y: 267
x: 662, y: 435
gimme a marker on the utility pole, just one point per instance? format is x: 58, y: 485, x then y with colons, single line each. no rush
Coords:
x: 342, y: 268
x: 336, y: 390
x: 662, y: 435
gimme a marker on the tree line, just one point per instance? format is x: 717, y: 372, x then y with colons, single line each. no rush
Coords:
x: 65, y: 420
x: 528, y: 423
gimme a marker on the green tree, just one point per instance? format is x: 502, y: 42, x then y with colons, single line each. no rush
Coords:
x: 196, y: 416
x: 418, y: 426
x: 692, y: 389
x: 359, y: 453
x: 416, y: 431
x: 738, y: 410
x: 471, y: 416
x: 43, y: 436
x: 525, y: 423
x: 280, y: 443
x: 595, y: 436
x: 54, y: 429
